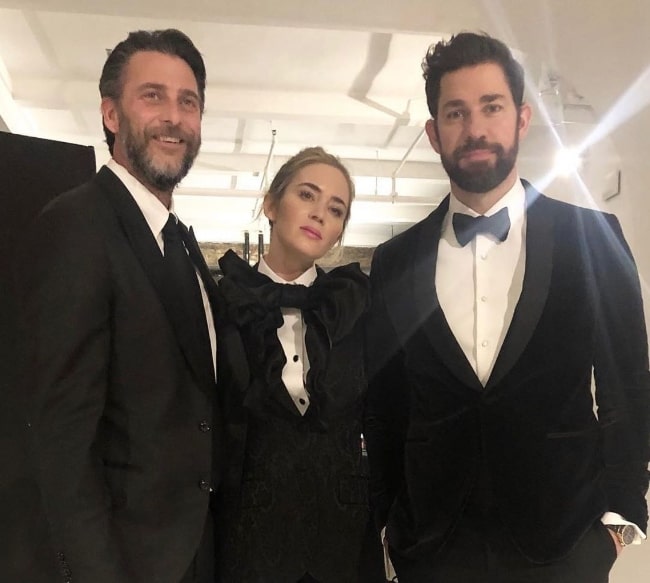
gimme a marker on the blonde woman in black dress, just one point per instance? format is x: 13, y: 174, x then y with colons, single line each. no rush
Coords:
x: 294, y: 501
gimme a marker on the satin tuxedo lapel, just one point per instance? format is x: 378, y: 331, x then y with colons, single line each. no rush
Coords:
x: 537, y: 280
x: 146, y: 249
x: 429, y: 313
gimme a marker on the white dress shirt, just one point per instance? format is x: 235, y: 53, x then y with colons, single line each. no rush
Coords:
x: 156, y: 215
x: 292, y: 338
x: 479, y: 285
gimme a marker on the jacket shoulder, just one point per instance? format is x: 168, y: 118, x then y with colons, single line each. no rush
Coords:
x: 397, y: 248
x: 562, y: 208
x: 80, y: 199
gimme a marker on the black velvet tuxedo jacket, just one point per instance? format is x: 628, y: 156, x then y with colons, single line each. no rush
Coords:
x: 554, y: 465
x: 124, y: 396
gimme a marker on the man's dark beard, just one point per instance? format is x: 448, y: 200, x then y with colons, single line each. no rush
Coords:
x: 164, y: 180
x: 481, y: 176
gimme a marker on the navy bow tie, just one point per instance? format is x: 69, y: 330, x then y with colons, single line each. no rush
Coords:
x: 467, y: 227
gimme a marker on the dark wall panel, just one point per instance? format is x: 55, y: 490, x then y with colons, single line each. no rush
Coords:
x: 32, y: 172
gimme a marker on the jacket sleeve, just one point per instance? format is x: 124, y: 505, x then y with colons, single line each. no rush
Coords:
x: 386, y: 412
x: 67, y: 305
x: 621, y: 372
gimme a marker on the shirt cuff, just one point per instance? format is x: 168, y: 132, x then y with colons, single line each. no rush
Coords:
x: 615, y: 518
x: 388, y: 565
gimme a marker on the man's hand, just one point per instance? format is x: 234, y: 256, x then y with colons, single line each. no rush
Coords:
x: 619, y: 546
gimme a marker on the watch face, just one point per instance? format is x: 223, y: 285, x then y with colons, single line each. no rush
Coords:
x: 627, y: 534
x: 624, y: 532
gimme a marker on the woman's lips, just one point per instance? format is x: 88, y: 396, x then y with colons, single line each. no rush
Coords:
x: 313, y: 233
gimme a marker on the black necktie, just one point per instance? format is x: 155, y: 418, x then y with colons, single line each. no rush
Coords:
x: 182, y: 279
x: 467, y: 227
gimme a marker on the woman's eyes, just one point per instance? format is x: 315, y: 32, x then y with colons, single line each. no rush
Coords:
x: 308, y: 195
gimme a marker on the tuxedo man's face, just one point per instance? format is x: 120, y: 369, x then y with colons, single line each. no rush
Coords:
x: 477, y: 128
x: 157, y: 120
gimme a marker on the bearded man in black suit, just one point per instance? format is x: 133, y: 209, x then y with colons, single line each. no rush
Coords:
x: 488, y: 460
x: 121, y: 346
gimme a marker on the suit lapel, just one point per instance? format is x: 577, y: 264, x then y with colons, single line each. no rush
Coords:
x: 197, y: 258
x: 537, y: 279
x: 148, y: 253
x: 429, y: 314
x: 200, y: 339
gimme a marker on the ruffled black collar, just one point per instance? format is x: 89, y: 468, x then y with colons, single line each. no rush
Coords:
x: 332, y: 306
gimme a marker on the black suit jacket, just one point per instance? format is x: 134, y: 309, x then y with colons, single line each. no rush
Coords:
x: 123, y: 394
x: 554, y: 466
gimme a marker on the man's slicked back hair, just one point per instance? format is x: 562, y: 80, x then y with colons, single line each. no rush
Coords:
x: 169, y: 42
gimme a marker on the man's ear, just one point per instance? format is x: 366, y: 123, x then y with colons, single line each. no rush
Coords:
x: 110, y: 114
x: 523, y: 122
x: 432, y: 133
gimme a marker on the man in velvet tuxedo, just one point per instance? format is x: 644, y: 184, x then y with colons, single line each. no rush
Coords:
x: 489, y: 461
x: 122, y: 368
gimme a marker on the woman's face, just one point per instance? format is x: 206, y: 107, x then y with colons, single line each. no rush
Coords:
x: 309, y: 218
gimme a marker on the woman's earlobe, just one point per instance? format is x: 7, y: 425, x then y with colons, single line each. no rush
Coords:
x: 267, y: 209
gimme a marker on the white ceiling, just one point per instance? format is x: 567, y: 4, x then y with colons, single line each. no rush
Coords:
x: 342, y: 74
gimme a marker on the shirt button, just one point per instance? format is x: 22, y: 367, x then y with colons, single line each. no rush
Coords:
x: 484, y: 343
x: 295, y: 358
x: 484, y: 256
x: 204, y: 486
x: 204, y: 426
x: 484, y: 298
x: 302, y: 401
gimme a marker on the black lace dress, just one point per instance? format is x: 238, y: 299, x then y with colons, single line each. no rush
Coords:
x: 294, y: 498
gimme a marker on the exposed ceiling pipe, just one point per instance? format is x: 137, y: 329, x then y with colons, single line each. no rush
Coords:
x: 265, y: 174
x: 397, y: 170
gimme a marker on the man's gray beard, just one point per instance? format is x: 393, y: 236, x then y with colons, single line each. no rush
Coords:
x: 164, y: 179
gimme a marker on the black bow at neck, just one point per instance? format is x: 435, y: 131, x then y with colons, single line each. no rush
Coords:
x: 467, y: 227
x: 332, y: 306
x: 339, y: 297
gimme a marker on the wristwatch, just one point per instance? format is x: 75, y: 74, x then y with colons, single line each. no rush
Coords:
x: 625, y: 533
